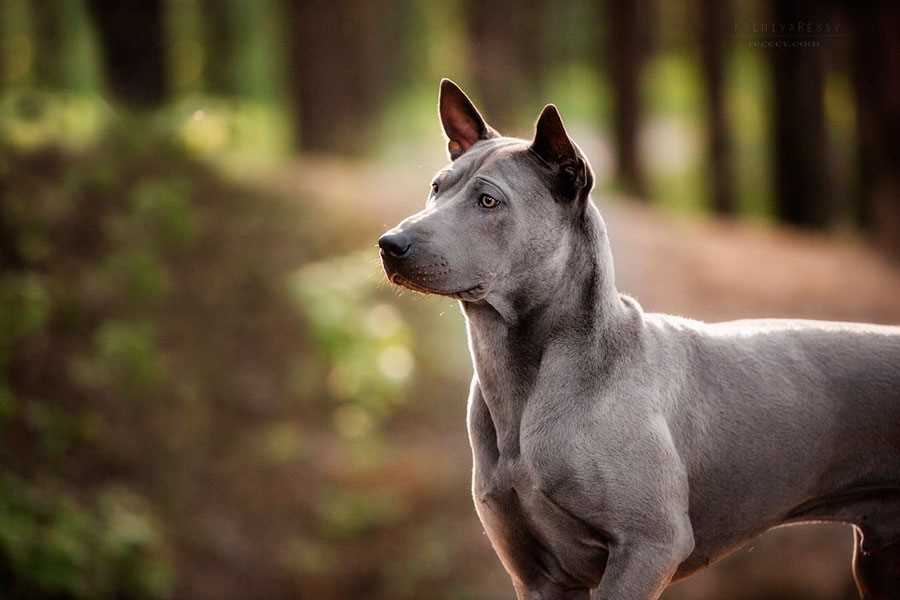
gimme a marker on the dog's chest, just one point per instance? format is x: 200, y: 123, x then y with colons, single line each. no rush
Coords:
x: 531, y: 530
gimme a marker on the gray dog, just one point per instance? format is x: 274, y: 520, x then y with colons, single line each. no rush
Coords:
x: 616, y: 451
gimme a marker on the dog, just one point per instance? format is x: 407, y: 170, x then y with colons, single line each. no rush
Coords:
x: 615, y: 451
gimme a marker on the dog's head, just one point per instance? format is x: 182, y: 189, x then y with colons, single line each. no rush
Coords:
x: 498, y: 217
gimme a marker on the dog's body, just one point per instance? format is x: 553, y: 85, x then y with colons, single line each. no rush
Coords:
x: 615, y: 451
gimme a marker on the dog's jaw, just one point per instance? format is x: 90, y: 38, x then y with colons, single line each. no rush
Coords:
x: 472, y: 294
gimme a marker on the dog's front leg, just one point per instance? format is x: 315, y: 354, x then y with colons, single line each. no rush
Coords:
x: 641, y: 568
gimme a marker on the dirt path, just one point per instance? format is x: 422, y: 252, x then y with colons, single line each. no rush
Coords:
x: 723, y: 270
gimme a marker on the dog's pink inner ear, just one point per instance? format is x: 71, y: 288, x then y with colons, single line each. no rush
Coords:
x: 462, y: 131
x: 461, y: 121
x: 551, y: 142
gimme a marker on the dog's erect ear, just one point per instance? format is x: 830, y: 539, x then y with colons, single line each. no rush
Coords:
x: 462, y: 122
x: 557, y: 150
x: 551, y: 142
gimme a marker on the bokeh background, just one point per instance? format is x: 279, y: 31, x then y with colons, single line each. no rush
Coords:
x: 206, y: 388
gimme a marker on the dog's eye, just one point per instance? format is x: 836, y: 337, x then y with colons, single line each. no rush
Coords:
x: 487, y: 201
x: 435, y: 187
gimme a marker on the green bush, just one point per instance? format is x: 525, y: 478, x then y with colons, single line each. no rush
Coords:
x: 141, y: 303
x: 51, y: 545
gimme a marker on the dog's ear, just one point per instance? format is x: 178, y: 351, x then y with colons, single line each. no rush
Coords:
x: 557, y: 150
x: 462, y: 122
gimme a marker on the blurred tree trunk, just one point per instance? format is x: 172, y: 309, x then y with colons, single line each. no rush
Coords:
x: 15, y: 36
x: 221, y: 46
x: 51, y: 32
x: 627, y: 32
x: 405, y: 25
x: 716, y: 18
x: 507, y: 57
x: 802, y: 189
x: 242, y: 53
x: 130, y: 34
x: 61, y: 48
x: 187, y: 50
x: 876, y: 79
x: 339, y: 57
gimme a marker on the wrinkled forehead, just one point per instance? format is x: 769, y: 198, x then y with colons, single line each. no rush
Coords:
x: 505, y: 160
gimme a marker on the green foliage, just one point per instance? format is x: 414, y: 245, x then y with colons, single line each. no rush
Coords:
x: 673, y: 141
x: 748, y: 93
x: 242, y: 132
x: 365, y: 343
x: 162, y: 206
x: 142, y: 307
x: 47, y: 49
x: 24, y: 306
x: 127, y: 355
x: 31, y: 118
x: 52, y: 545
x: 16, y: 44
x: 55, y: 541
x: 580, y: 92
x: 346, y: 513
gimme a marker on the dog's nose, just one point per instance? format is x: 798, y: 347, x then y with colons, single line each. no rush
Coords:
x: 395, y: 244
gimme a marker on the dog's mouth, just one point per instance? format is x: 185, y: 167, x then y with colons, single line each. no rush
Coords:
x: 472, y: 294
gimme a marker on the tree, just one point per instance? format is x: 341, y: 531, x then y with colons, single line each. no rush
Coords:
x: 876, y: 79
x: 716, y: 18
x: 626, y: 46
x: 242, y: 52
x: 802, y: 188
x: 131, y: 45
x: 507, y: 56
x: 338, y: 57
x: 15, y: 34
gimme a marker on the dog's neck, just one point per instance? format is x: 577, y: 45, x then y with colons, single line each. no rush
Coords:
x: 512, y: 337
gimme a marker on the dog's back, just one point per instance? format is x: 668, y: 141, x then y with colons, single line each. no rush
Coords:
x: 808, y: 411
